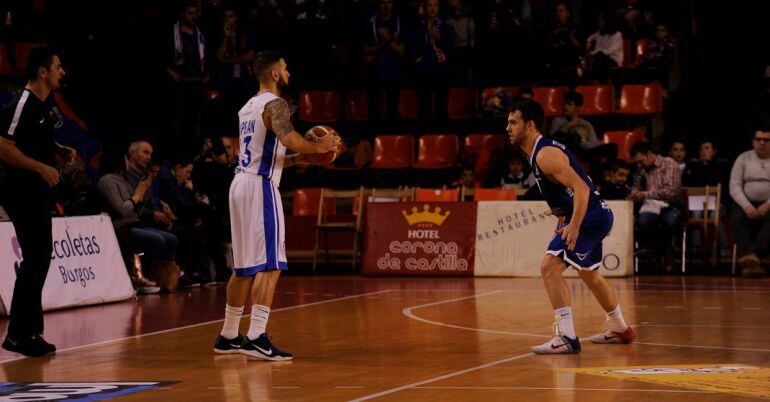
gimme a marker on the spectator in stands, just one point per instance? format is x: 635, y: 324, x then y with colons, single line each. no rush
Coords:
x: 580, y: 137
x: 504, y: 25
x: 235, y: 51
x: 431, y: 48
x: 460, y: 18
x: 517, y: 176
x: 213, y: 171
x: 467, y: 179
x: 659, y: 57
x: 661, y: 203
x: 708, y: 169
x: 605, y: 48
x: 125, y: 202
x: 194, y: 222
x: 634, y: 22
x: 616, y: 186
x: 678, y: 152
x: 186, y: 68
x: 564, y: 45
x: 384, y: 50
x: 750, y: 215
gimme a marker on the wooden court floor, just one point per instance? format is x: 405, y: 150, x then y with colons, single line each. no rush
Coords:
x: 427, y: 339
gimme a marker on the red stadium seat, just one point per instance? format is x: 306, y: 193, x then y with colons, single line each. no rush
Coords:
x: 357, y: 105
x: 462, y: 103
x: 624, y: 140
x: 551, y: 99
x: 489, y: 92
x: 305, y: 203
x: 5, y: 64
x: 437, y: 195
x: 640, y: 99
x: 22, y: 52
x: 477, y: 142
x: 597, y: 99
x: 393, y: 152
x: 408, y: 106
x: 319, y: 106
x: 494, y: 194
x: 437, y: 151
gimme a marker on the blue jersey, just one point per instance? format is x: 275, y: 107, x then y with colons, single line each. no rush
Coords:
x: 558, y: 196
x: 597, y: 223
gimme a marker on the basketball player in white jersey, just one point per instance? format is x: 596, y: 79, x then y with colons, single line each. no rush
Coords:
x: 256, y: 213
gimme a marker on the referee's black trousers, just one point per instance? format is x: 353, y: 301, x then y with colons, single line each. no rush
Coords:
x: 28, y: 201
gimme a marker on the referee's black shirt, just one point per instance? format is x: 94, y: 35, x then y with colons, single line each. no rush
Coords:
x: 29, y: 122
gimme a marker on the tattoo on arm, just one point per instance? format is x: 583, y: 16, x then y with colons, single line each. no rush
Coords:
x: 280, y: 117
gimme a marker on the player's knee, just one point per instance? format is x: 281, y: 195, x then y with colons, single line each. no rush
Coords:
x: 551, y: 266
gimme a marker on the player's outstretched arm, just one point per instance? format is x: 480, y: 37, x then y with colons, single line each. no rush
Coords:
x: 278, y: 119
x: 556, y: 165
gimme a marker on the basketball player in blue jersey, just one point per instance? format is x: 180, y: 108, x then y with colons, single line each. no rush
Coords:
x: 256, y: 213
x: 584, y: 221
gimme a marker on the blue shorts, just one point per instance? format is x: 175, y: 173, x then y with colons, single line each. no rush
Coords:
x: 587, y: 254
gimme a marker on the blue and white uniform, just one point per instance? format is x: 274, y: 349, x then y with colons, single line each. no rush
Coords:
x: 256, y: 212
x: 598, y: 219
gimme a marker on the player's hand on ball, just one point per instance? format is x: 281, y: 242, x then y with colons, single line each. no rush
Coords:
x: 329, y: 143
x: 569, y: 234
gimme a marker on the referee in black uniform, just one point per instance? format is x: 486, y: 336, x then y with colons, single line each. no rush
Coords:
x: 27, y: 153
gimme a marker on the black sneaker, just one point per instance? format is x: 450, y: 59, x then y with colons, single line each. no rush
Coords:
x: 33, y: 346
x: 228, y: 346
x: 261, y: 348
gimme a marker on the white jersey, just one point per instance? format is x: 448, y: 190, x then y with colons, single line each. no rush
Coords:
x: 261, y: 152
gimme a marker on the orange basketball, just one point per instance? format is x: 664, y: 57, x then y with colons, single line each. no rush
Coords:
x: 314, y: 135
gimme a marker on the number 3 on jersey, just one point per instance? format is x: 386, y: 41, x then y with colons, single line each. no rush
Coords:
x: 246, y: 141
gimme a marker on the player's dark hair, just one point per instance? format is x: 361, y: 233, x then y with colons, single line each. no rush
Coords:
x: 38, y: 57
x: 641, y: 147
x: 264, y: 61
x: 530, y: 111
x: 574, y: 97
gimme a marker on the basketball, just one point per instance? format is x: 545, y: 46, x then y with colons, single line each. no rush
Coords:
x: 314, y: 135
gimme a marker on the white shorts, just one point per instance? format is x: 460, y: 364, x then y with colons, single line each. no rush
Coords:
x: 257, y: 225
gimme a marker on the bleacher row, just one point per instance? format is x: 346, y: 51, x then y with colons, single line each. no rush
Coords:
x: 467, y: 102
x: 441, y: 151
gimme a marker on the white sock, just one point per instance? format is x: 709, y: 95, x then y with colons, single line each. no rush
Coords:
x: 259, y: 316
x: 564, y: 321
x: 232, y: 321
x: 617, y: 323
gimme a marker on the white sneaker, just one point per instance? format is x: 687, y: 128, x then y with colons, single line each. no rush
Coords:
x: 559, y: 344
x: 610, y: 336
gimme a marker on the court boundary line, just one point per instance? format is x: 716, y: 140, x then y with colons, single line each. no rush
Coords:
x: 409, y: 314
x: 443, y: 377
x: 200, y: 324
x: 572, y: 389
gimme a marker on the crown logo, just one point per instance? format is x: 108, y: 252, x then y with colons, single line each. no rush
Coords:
x: 426, y: 216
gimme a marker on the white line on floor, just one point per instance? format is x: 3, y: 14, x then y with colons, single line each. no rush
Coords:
x: 408, y: 312
x: 572, y: 389
x: 204, y: 323
x: 443, y: 377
